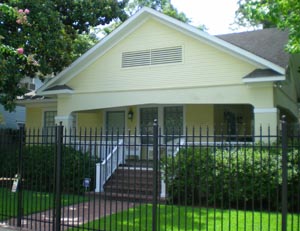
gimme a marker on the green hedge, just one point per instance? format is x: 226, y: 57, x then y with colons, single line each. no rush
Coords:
x: 240, y: 177
x: 39, y: 168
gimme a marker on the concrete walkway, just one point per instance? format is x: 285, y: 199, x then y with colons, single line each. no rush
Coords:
x: 10, y: 228
x: 73, y: 215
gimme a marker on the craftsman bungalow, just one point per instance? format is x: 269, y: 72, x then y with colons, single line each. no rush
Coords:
x: 154, y: 66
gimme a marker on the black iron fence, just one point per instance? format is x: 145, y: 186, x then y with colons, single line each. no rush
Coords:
x: 87, y: 179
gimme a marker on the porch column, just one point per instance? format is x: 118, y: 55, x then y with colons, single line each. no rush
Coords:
x: 67, y: 121
x: 265, y: 119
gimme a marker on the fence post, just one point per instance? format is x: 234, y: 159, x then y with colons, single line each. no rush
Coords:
x: 59, y: 142
x: 20, y: 176
x: 284, y: 174
x: 155, y: 176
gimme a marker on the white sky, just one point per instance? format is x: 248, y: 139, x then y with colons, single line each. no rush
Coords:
x: 216, y: 15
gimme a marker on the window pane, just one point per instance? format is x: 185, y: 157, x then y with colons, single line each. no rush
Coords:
x: 173, y: 120
x: 147, y: 117
x: 49, y: 127
x: 49, y: 118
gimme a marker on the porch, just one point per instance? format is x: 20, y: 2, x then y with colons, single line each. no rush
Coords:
x: 123, y: 159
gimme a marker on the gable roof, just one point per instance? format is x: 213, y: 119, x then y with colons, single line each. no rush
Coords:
x: 267, y: 43
x: 136, y: 21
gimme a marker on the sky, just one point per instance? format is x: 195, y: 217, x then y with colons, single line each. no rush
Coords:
x: 216, y: 15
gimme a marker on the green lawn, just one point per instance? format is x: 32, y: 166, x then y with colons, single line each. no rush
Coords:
x: 181, y: 218
x: 32, y: 202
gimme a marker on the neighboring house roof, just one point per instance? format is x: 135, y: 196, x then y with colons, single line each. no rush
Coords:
x: 223, y: 43
x: 268, y: 44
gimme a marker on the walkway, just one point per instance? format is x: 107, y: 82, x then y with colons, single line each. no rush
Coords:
x: 74, y: 215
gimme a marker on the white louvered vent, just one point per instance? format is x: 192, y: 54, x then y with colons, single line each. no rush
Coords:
x: 136, y: 58
x: 166, y: 55
x: 152, y: 57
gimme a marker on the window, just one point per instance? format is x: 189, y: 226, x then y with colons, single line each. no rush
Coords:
x: 173, y: 122
x: 49, y: 126
x: 49, y: 118
x: 170, y: 118
x: 147, y: 117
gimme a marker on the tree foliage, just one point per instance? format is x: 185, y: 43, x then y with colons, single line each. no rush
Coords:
x: 283, y: 14
x: 47, y: 38
x: 164, y: 6
x: 39, y: 38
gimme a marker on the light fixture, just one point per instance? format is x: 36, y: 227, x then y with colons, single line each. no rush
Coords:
x: 130, y: 114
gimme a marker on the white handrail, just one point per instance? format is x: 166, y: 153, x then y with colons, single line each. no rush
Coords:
x: 106, y: 168
x: 175, y: 146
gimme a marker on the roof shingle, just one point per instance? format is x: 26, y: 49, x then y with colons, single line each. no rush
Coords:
x: 267, y: 43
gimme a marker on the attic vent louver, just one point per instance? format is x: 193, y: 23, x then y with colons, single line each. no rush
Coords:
x: 166, y: 55
x: 136, y: 58
x: 152, y: 57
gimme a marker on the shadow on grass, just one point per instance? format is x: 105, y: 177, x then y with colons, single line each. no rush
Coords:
x: 189, y: 218
x: 33, y: 202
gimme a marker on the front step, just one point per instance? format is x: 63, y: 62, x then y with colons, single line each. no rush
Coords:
x: 136, y: 163
x: 132, y: 184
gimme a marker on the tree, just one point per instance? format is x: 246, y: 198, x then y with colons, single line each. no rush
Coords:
x: 13, y: 61
x: 51, y: 36
x: 164, y: 6
x: 82, y: 15
x: 283, y: 14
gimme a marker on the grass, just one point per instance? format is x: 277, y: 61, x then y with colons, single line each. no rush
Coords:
x: 188, y: 218
x: 33, y: 202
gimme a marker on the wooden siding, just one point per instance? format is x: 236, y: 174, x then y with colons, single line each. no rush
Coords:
x: 199, y: 116
x: 34, y: 118
x: 91, y: 119
x: 286, y: 91
x: 203, y: 65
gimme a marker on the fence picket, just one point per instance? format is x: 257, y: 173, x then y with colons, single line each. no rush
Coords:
x: 199, y: 180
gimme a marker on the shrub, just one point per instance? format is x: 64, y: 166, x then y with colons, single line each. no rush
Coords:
x: 8, y: 146
x: 248, y: 177
x: 39, y: 166
x: 187, y: 175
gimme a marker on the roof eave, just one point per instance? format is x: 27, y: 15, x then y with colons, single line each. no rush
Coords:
x: 35, y: 101
x: 56, y: 92
x: 264, y: 79
x: 135, y: 21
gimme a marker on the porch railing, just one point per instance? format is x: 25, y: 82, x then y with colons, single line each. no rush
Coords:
x: 106, y: 168
x: 99, y: 149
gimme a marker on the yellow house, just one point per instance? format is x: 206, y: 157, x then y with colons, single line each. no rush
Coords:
x: 155, y: 67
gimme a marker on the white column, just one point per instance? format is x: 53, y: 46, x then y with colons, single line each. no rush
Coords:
x: 163, y: 192
x: 266, y: 120
x: 67, y: 121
